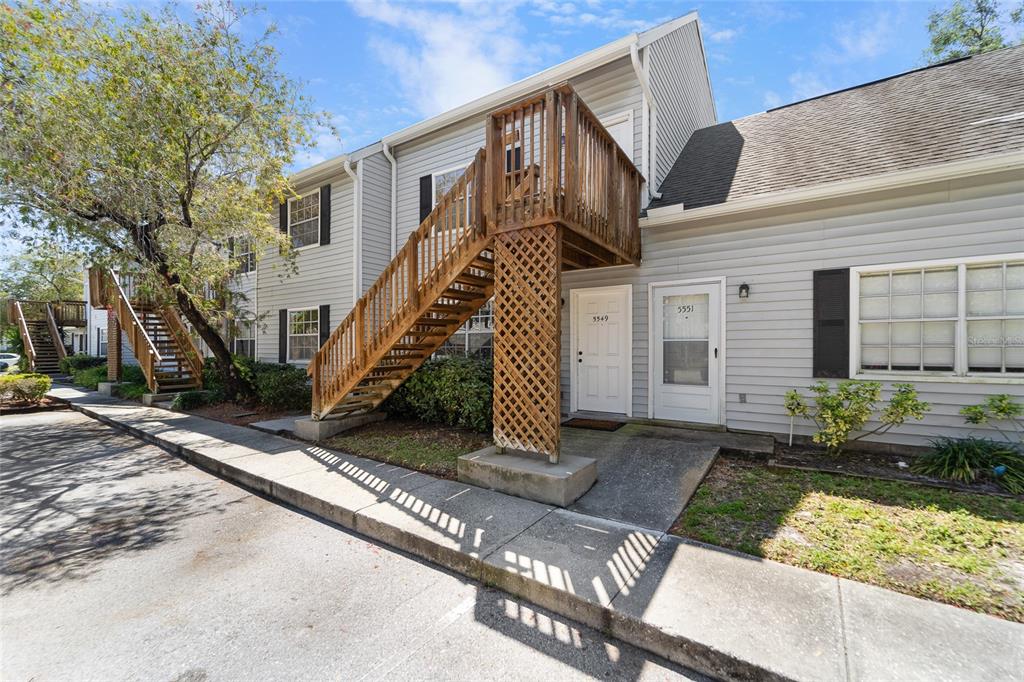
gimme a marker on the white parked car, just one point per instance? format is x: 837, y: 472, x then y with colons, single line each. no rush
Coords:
x: 8, y: 360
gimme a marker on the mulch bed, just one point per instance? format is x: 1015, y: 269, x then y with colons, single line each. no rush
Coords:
x: 239, y: 415
x: 879, y: 465
x: 45, y: 405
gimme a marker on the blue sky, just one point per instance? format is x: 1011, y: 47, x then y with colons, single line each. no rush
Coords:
x: 379, y: 66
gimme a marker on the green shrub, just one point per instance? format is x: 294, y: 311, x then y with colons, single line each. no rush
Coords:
x: 132, y: 374
x: 282, y: 386
x: 90, y: 377
x: 80, y: 361
x: 213, y: 381
x: 190, y: 400
x: 130, y: 391
x: 967, y: 459
x: 455, y: 391
x: 29, y: 388
x: 850, y: 407
x: 1003, y: 412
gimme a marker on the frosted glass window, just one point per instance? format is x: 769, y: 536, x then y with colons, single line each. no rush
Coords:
x: 685, y: 339
x: 909, y: 319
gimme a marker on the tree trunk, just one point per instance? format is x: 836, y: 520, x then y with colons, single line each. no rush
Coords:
x: 237, y: 386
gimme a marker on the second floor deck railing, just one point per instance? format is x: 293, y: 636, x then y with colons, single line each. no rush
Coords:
x: 573, y: 170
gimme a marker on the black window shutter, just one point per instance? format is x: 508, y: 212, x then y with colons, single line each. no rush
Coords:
x: 325, y: 215
x: 283, y: 225
x: 426, y: 196
x: 832, y: 324
x: 325, y: 323
x: 282, y: 336
x: 509, y: 167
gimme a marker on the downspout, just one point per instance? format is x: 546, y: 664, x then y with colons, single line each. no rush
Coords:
x: 357, y: 242
x: 645, y: 86
x: 394, y: 196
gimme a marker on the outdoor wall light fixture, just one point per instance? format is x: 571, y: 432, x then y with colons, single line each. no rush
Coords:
x: 744, y: 290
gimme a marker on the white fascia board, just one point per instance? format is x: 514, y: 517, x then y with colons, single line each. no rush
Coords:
x: 555, y: 74
x: 661, y: 30
x: 676, y: 214
x: 332, y: 167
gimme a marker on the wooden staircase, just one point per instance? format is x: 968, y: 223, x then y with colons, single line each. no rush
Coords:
x: 551, y: 191
x: 40, y: 335
x: 442, y: 275
x: 162, y: 345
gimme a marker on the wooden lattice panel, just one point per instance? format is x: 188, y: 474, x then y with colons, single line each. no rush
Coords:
x: 527, y: 339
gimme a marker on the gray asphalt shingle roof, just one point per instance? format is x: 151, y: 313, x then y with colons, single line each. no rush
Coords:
x: 917, y: 119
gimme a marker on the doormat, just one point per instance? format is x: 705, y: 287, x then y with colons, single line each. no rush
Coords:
x: 594, y: 424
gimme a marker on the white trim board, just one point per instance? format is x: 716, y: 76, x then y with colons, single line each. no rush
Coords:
x: 723, y: 352
x: 573, y: 380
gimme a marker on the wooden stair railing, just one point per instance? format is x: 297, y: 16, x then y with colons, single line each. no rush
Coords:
x: 439, y: 278
x: 141, y: 344
x: 16, y: 311
x: 165, y: 350
x: 58, y: 338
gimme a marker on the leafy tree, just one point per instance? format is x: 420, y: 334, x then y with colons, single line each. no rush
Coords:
x: 967, y: 27
x: 47, y: 271
x: 149, y: 141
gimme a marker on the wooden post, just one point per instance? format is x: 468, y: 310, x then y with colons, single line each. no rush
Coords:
x: 571, y: 152
x: 113, y: 347
x: 527, y: 339
x: 414, y: 279
x: 316, y: 387
x: 552, y: 174
x: 360, y: 330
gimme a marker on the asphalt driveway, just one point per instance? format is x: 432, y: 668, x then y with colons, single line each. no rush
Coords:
x: 120, y: 561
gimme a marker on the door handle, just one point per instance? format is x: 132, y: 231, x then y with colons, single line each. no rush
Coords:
x: 716, y: 353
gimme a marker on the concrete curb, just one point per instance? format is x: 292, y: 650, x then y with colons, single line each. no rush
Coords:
x: 680, y: 650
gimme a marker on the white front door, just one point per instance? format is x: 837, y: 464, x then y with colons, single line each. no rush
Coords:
x: 687, y: 351
x: 602, y: 354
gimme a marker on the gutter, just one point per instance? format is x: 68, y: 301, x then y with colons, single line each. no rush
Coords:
x: 357, y: 237
x: 675, y: 215
x: 386, y: 150
x: 645, y: 86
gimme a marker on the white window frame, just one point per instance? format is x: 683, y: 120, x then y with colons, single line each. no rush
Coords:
x: 249, y: 255
x: 959, y: 373
x: 617, y: 118
x: 291, y: 200
x: 288, y: 334
x: 433, y: 179
x: 250, y: 326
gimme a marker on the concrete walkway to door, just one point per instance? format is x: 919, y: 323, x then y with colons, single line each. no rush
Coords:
x: 730, y: 615
x: 644, y: 477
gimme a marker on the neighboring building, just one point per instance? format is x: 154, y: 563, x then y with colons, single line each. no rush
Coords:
x: 875, y: 233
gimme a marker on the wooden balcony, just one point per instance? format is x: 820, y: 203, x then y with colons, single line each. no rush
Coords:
x: 574, y: 174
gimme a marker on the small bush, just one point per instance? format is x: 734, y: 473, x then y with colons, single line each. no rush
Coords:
x: 1003, y: 412
x: 89, y: 377
x: 130, y: 391
x: 213, y: 381
x: 454, y: 391
x: 190, y: 400
x: 850, y: 407
x: 80, y: 361
x: 282, y: 386
x: 968, y: 459
x: 24, y: 388
x: 132, y: 374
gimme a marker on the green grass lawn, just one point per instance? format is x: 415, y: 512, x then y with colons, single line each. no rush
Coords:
x: 433, y: 448
x: 960, y: 548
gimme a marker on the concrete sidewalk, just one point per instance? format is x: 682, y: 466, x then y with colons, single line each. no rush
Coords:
x: 726, y: 614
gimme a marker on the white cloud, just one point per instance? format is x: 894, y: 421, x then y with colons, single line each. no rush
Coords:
x: 806, y: 84
x: 772, y: 99
x: 329, y: 140
x: 866, y: 39
x: 726, y: 35
x: 446, y: 57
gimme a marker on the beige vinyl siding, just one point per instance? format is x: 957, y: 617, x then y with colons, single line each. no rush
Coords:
x: 324, y: 273
x: 769, y: 335
x: 608, y: 90
x: 376, y: 234
x: 680, y: 86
